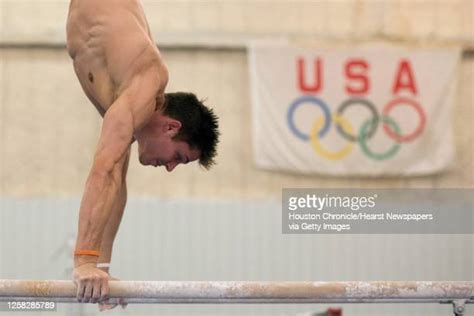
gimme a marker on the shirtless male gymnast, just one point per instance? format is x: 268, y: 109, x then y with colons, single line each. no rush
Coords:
x: 122, y: 73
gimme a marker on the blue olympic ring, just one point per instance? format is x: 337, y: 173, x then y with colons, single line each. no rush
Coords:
x: 315, y: 101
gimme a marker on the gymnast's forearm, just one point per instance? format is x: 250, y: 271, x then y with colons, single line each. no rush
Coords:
x: 102, y: 189
x: 112, y: 226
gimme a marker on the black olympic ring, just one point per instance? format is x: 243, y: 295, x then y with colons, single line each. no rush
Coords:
x: 374, y: 120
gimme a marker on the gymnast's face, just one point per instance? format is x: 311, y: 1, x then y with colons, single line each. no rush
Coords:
x: 156, y: 146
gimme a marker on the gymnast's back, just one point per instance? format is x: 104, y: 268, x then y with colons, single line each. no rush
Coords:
x: 109, y: 41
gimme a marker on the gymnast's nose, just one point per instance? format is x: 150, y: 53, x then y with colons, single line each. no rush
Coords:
x: 171, y: 165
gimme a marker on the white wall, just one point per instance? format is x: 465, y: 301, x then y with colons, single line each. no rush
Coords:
x: 49, y: 131
x: 421, y: 20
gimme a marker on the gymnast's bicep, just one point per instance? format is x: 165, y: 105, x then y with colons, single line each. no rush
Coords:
x: 115, y: 138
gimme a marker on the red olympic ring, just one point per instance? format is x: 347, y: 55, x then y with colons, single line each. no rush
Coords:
x: 408, y: 137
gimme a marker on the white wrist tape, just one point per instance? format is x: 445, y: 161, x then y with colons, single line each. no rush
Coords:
x: 103, y: 265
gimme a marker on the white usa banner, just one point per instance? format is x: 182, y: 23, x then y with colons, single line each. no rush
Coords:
x: 353, y: 111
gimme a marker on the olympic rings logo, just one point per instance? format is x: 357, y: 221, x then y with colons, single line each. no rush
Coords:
x: 366, y: 131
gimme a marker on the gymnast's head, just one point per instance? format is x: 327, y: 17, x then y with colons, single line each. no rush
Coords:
x: 182, y: 131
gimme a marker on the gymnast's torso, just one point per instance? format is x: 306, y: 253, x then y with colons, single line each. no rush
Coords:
x: 109, y: 41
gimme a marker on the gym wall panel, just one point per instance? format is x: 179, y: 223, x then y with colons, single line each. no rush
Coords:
x: 197, y: 239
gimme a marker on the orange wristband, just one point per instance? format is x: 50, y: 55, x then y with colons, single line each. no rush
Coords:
x: 94, y: 253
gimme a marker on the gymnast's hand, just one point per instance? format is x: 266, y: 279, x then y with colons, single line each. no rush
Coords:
x: 92, y: 283
x: 106, y: 305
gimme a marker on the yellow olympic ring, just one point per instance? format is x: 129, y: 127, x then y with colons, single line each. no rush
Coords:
x: 346, y: 150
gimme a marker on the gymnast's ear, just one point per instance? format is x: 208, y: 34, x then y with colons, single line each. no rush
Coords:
x: 171, y: 126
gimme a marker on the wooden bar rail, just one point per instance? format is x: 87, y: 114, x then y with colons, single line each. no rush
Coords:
x: 249, y: 292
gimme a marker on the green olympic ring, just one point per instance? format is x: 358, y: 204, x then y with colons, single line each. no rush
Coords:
x: 363, y: 136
